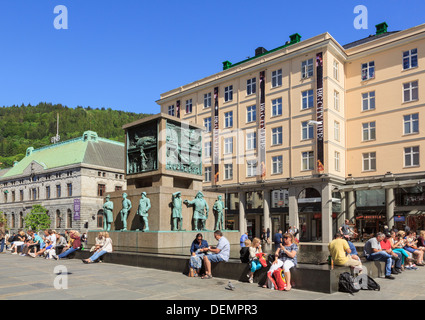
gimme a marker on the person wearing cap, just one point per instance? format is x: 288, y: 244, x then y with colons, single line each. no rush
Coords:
x: 142, y: 210
x: 108, y: 215
x: 177, y: 211
x: 201, y: 210
x: 126, y: 206
x: 396, y: 256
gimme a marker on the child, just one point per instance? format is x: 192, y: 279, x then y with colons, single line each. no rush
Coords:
x: 255, y: 262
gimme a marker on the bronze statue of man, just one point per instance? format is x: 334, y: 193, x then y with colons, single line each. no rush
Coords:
x: 142, y: 210
x: 177, y: 211
x: 126, y: 206
x: 201, y: 210
x: 108, y: 215
x: 219, y: 209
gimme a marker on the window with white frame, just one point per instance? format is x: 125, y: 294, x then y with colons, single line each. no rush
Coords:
x: 336, y: 70
x: 251, y: 86
x: 307, y: 68
x: 228, y: 145
x: 207, y: 124
x: 369, y: 161
x: 276, y: 78
x: 277, y: 165
x: 307, y: 130
x: 277, y: 107
x: 410, y: 91
x: 307, y: 160
x: 207, y: 171
x: 336, y: 131
x: 411, y: 123
x: 207, y: 100
x: 411, y: 156
x: 368, y: 101
x: 307, y: 99
x: 228, y: 171
x: 171, y: 110
x: 337, y: 156
x: 189, y: 106
x: 207, y: 149
x: 410, y: 59
x: 336, y: 100
x: 251, y: 140
x: 228, y: 119
x: 368, y: 70
x: 251, y: 114
x: 251, y: 168
x: 369, y: 131
x: 228, y: 93
x: 277, y: 136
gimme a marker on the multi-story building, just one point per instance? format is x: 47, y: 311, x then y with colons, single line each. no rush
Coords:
x: 312, y: 132
x: 70, y: 179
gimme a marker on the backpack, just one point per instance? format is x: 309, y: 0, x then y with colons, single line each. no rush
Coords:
x: 262, y: 259
x: 279, y: 279
x: 347, y: 283
x: 244, y: 254
x: 367, y: 283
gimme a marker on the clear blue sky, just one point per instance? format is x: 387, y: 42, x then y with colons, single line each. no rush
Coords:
x: 123, y: 54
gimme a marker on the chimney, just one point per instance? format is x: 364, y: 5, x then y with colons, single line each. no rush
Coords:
x: 260, y: 51
x: 381, y: 28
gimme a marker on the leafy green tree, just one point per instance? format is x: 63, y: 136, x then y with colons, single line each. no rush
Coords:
x: 38, y: 219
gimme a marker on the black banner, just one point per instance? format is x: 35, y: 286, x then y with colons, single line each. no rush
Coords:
x: 319, y: 113
x: 216, y: 159
x: 262, y: 126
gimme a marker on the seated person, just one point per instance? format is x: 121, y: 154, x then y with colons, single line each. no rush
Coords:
x: 18, y: 241
x: 48, y: 246
x: 286, y: 258
x: 374, y: 252
x: 104, y: 249
x: 76, y: 245
x: 396, y: 256
x: 220, y: 253
x: 254, y: 260
x: 411, y: 246
x: 197, y: 250
x: 340, y: 251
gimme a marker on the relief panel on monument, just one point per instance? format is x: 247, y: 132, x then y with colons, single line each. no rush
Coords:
x: 142, y: 148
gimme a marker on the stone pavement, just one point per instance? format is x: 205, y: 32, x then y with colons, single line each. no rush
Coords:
x: 25, y: 278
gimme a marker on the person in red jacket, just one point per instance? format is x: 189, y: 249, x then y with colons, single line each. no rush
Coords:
x: 76, y: 245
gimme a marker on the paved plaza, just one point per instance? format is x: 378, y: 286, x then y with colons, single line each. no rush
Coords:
x: 23, y: 278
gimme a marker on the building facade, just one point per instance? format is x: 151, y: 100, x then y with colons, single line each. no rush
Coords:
x: 70, y: 179
x: 312, y: 132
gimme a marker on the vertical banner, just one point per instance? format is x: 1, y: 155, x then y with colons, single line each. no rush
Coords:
x: 178, y: 108
x: 216, y: 159
x: 262, y: 126
x: 76, y: 209
x: 319, y: 113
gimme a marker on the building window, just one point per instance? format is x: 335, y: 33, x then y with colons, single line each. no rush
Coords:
x: 307, y: 68
x: 118, y: 188
x: 207, y: 124
x: 307, y: 160
x: 368, y: 70
x: 228, y: 145
x: 368, y: 101
x: 411, y: 123
x: 171, y: 110
x: 228, y: 93
x: 189, y: 106
x: 336, y: 100
x: 369, y: 131
x: 251, y: 86
x: 69, y: 189
x: 100, y: 219
x: 307, y: 99
x: 21, y: 220
x: 13, y: 196
x: 410, y: 91
x: 34, y: 193
x: 207, y: 100
x: 277, y: 165
x: 251, y: 114
x: 228, y: 171
x: 336, y: 70
x: 5, y: 197
x: 21, y: 195
x: 101, y: 190
x: 58, y: 219
x: 48, y: 192
x: 276, y: 107
x: 336, y: 131
x: 410, y: 59
x: 411, y: 156
x: 251, y: 141
x: 58, y: 191
x: 208, y: 147
x: 251, y: 168
x: 228, y: 119
x: 337, y: 156
x: 369, y: 161
x: 276, y: 78
x: 207, y: 174
x: 307, y: 130
x: 69, y: 218
x: 276, y: 136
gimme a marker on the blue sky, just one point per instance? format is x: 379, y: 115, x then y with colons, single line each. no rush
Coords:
x: 124, y: 54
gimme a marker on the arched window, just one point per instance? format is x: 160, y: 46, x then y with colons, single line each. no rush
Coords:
x: 58, y: 219
x: 21, y: 220
x: 100, y: 219
x: 69, y: 219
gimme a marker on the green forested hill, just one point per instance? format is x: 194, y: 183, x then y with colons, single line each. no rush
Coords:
x: 33, y: 126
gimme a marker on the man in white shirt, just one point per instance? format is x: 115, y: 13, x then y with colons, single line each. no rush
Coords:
x: 220, y: 253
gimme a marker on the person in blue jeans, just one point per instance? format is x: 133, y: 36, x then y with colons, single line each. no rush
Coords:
x: 254, y: 260
x: 374, y: 252
x: 76, y: 245
x: 105, y: 248
x: 2, y: 236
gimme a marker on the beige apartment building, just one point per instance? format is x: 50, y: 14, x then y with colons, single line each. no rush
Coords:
x: 314, y: 132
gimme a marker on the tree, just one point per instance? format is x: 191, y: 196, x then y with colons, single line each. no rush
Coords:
x: 38, y: 219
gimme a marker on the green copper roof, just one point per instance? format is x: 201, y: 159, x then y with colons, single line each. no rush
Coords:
x: 78, y: 150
